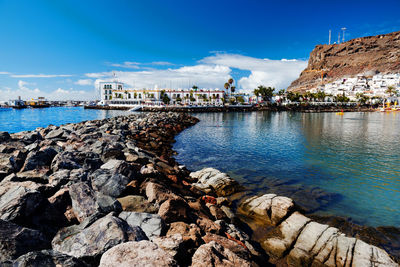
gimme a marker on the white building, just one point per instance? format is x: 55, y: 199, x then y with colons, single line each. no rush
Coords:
x: 372, y: 86
x: 114, y: 94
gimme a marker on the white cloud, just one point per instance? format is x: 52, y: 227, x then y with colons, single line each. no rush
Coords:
x: 202, y: 75
x: 84, y: 82
x: 162, y: 63
x: 4, y: 73
x: 127, y: 64
x: 275, y: 73
x: 39, y: 75
x: 98, y: 75
x: 212, y: 71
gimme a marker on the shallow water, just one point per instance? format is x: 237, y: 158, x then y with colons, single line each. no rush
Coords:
x: 331, y: 165
x: 17, y: 120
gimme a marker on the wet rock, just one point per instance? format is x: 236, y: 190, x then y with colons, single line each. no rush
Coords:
x: 151, y: 224
x: 173, y: 210
x: 4, y: 136
x: 83, y: 200
x: 143, y: 253
x: 16, y: 240
x: 47, y: 258
x: 95, y: 239
x: 213, y: 254
x: 137, y: 204
x: 212, y: 180
x: 39, y: 159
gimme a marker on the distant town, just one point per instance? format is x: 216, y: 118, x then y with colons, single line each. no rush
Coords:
x: 362, y: 89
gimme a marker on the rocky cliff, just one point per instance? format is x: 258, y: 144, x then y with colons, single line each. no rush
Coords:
x: 367, y: 55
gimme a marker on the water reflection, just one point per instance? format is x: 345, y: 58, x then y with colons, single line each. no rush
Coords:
x: 344, y: 165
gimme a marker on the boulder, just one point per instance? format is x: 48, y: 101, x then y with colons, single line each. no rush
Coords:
x: 107, y: 204
x: 137, y: 203
x: 268, y: 208
x: 171, y: 244
x: 16, y: 241
x: 288, y: 231
x: 159, y: 193
x: 109, y: 183
x: 174, y: 210
x: 213, y: 254
x: 31, y: 137
x: 4, y: 136
x: 233, y: 246
x: 65, y: 160
x: 151, y: 224
x: 83, y: 200
x: 95, y: 239
x: 143, y: 253
x: 57, y: 133
x: 212, y: 180
x: 47, y: 258
x: 18, y: 202
x: 191, y: 234
x: 39, y: 159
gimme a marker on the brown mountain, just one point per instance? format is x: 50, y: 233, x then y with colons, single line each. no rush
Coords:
x: 366, y: 55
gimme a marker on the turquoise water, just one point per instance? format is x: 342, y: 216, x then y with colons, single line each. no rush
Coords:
x: 331, y: 165
x: 17, y: 120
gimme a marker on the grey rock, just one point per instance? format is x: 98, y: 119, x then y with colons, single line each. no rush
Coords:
x: 109, y: 183
x: 38, y: 159
x: 143, y: 253
x: 97, y: 238
x: 18, y: 202
x: 4, y: 136
x: 55, y: 134
x: 47, y: 258
x: 151, y: 224
x: 83, y: 200
x: 16, y: 240
x: 107, y: 204
x: 65, y: 160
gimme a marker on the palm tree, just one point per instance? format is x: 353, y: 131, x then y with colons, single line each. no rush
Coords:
x: 390, y: 90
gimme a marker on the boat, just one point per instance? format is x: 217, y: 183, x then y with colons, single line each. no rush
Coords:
x: 136, y: 108
x: 340, y: 113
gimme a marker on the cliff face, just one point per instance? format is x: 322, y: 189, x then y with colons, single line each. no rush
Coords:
x: 367, y: 55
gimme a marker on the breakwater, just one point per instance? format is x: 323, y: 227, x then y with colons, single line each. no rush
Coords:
x: 109, y: 192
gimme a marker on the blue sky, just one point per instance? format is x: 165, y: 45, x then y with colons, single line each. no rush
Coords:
x: 59, y: 49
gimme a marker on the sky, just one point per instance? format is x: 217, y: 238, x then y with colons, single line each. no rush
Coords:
x: 61, y: 49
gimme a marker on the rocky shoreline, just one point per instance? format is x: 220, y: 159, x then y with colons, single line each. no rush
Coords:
x: 108, y: 192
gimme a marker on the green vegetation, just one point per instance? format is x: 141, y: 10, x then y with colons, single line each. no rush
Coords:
x: 265, y: 92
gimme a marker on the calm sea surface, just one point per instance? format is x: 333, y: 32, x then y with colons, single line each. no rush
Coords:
x: 342, y: 165
x: 17, y: 120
